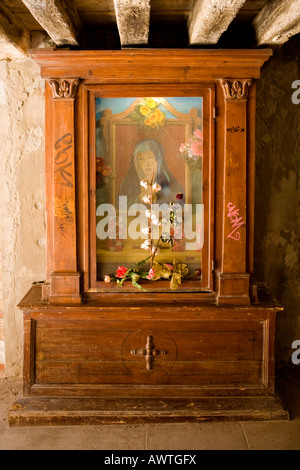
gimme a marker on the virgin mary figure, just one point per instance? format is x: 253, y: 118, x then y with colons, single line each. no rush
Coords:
x: 147, y: 163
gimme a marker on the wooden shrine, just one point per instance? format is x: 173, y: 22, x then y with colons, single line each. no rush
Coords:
x: 201, y: 347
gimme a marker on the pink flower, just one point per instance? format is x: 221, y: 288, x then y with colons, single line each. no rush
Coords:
x: 151, y: 274
x: 196, y: 148
x: 121, y: 271
x: 170, y: 266
x: 182, y: 148
x: 198, y: 134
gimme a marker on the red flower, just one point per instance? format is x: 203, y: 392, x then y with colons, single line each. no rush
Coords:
x: 121, y: 271
x: 102, y: 168
x: 179, y: 196
x: 151, y: 274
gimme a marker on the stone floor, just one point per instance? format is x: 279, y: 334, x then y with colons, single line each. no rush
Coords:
x: 272, y: 435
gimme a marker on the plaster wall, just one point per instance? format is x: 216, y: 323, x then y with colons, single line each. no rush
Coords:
x: 22, y: 189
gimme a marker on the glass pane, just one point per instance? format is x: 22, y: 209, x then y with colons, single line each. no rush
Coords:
x: 149, y: 154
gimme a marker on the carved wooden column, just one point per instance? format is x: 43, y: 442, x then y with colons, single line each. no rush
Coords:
x: 64, y: 278
x: 233, y: 278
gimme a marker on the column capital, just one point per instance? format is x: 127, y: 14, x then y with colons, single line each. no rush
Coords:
x: 64, y: 88
x: 236, y: 89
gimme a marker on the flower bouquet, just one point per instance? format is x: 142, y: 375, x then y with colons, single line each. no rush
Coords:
x: 148, y: 114
x: 192, y: 150
x: 175, y: 272
x: 103, y: 172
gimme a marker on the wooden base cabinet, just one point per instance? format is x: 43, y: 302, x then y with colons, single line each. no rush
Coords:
x: 188, y: 339
x: 93, y: 364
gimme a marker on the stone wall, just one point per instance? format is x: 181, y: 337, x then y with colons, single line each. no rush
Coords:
x: 277, y: 256
x: 22, y: 202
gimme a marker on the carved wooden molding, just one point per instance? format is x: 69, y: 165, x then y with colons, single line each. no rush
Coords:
x: 236, y: 89
x: 64, y: 88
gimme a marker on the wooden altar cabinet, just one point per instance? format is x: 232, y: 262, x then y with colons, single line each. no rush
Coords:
x: 98, y: 353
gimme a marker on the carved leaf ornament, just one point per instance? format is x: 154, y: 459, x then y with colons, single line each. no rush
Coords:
x: 236, y: 89
x: 64, y: 88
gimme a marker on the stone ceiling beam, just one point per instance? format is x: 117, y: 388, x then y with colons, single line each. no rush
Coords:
x: 59, y: 18
x: 277, y: 22
x: 210, y: 18
x: 14, y: 36
x: 133, y: 20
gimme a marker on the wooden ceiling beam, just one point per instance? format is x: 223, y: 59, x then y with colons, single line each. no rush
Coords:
x: 277, y: 22
x: 210, y: 18
x: 14, y: 36
x: 59, y: 18
x: 133, y: 20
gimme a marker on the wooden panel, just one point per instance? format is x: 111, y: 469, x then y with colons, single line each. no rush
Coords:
x: 107, y: 372
x: 147, y: 66
x: 204, y: 352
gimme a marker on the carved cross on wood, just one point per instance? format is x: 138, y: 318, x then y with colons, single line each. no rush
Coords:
x: 149, y: 352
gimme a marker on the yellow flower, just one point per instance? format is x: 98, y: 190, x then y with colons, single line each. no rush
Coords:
x: 155, y: 119
x: 145, y: 110
x: 151, y: 103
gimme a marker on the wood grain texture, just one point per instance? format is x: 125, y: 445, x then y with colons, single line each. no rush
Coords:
x: 95, y: 411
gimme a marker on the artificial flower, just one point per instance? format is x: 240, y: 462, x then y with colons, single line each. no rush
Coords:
x: 146, y: 199
x: 135, y: 277
x: 170, y: 266
x: 179, y: 196
x: 146, y: 245
x: 107, y: 279
x: 121, y: 272
x: 151, y: 274
x: 156, y: 187
x: 145, y: 184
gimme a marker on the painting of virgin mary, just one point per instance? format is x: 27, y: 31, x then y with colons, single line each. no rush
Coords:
x: 147, y: 162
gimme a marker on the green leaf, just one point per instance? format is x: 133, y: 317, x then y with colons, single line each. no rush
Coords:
x: 144, y: 261
x: 136, y: 115
x: 138, y: 286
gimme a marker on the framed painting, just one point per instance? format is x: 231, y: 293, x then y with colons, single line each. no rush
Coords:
x: 152, y: 207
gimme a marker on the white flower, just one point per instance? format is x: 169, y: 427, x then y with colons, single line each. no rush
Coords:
x: 145, y: 230
x: 145, y: 184
x: 148, y: 213
x: 155, y: 220
x: 156, y: 187
x: 146, y: 199
x: 146, y: 245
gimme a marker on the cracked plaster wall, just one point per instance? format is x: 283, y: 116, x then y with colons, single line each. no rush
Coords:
x: 22, y: 202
